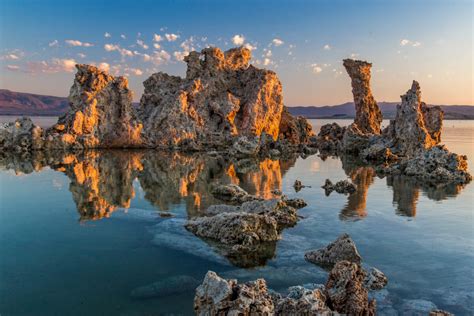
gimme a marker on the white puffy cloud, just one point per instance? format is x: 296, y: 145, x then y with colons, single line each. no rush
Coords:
x: 268, y: 53
x: 327, y: 47
x: 104, y: 67
x: 142, y: 44
x: 171, y: 37
x: 54, y: 66
x: 238, y: 39
x: 54, y: 43
x: 123, y: 51
x: 406, y: 42
x: 156, y: 45
x: 123, y: 36
x: 157, y: 38
x: 133, y: 71
x: 249, y: 46
x: 107, y: 34
x: 179, y: 55
x: 277, y: 42
x: 81, y: 55
x: 267, y: 61
x: 13, y: 67
x: 77, y: 43
x: 10, y: 57
x: 316, y: 68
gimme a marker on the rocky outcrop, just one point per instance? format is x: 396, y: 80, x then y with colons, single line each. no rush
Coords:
x: 232, y: 193
x: 302, y: 301
x: 416, y: 127
x: 21, y: 135
x: 368, y: 115
x: 375, y: 279
x: 296, y: 130
x: 343, y: 187
x: 217, y: 296
x: 343, y: 248
x: 330, y: 137
x: 345, y: 290
x: 221, y: 97
x: 100, y: 115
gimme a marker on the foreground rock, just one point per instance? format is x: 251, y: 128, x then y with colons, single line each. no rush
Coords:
x: 343, y: 187
x: 346, y: 292
x: 343, y: 248
x: 21, y: 135
x: 232, y: 193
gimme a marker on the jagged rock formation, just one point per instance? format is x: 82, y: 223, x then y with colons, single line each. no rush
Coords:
x: 415, y: 127
x: 329, y: 138
x: 375, y: 279
x: 232, y: 193
x: 21, y: 135
x: 296, y: 130
x: 101, y: 114
x: 346, y: 292
x: 368, y: 115
x: 221, y: 97
x: 343, y: 248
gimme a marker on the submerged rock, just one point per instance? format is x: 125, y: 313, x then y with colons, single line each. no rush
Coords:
x: 417, y: 307
x: 343, y: 187
x: 343, y: 248
x: 346, y: 292
x: 166, y: 287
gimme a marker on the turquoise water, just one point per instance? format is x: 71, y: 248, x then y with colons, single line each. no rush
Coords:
x: 79, y: 233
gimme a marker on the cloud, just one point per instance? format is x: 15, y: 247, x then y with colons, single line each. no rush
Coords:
x: 123, y: 51
x: 156, y: 45
x: 123, y: 36
x: 268, y: 53
x: 406, y: 42
x: 179, y: 56
x: 238, y: 39
x: 54, y: 43
x: 327, y: 47
x: 107, y: 34
x: 277, y: 42
x: 249, y: 46
x: 81, y: 55
x: 160, y: 57
x: 76, y: 43
x: 316, y: 68
x: 142, y: 44
x: 54, y: 66
x: 10, y: 57
x: 133, y: 71
x: 157, y: 38
x: 267, y: 61
x: 171, y: 37
x: 13, y: 67
x: 104, y: 67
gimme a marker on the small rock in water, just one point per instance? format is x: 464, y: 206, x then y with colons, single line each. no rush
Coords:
x: 296, y: 203
x: 343, y: 187
x: 169, y: 286
x: 375, y: 279
x: 276, y: 192
x: 232, y: 193
x: 166, y: 214
x: 439, y: 312
x: 343, y: 248
x: 298, y: 185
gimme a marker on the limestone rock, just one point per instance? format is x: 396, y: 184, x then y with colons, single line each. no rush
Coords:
x: 21, y: 135
x: 368, y: 115
x: 296, y: 130
x: 101, y: 114
x: 330, y: 137
x: 343, y: 187
x: 375, y: 279
x: 221, y: 97
x: 345, y: 291
x: 302, y: 301
x: 232, y: 193
x: 416, y: 127
x: 235, y: 228
x: 296, y: 203
x: 217, y: 296
x: 439, y: 312
x: 343, y: 248
x: 298, y: 185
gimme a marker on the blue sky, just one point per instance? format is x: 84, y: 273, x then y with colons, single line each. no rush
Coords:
x: 303, y: 41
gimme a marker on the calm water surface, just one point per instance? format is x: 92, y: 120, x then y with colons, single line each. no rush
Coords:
x: 79, y: 233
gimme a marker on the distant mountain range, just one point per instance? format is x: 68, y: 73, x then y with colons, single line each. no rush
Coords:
x: 19, y: 103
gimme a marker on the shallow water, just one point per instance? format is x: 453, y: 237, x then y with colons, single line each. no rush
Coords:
x: 79, y: 233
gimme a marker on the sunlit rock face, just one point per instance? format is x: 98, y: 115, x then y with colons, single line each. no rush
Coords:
x: 368, y: 115
x: 101, y: 114
x: 221, y: 97
x: 416, y: 126
x: 296, y: 130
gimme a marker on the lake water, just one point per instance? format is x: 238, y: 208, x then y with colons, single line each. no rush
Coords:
x: 78, y: 233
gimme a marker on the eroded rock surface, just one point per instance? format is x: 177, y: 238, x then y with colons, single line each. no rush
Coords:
x: 21, y: 135
x: 375, y: 279
x: 343, y: 248
x: 345, y: 290
x: 101, y: 114
x: 295, y: 130
x: 368, y: 115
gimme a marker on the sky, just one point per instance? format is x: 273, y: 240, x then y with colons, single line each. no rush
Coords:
x: 304, y: 42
